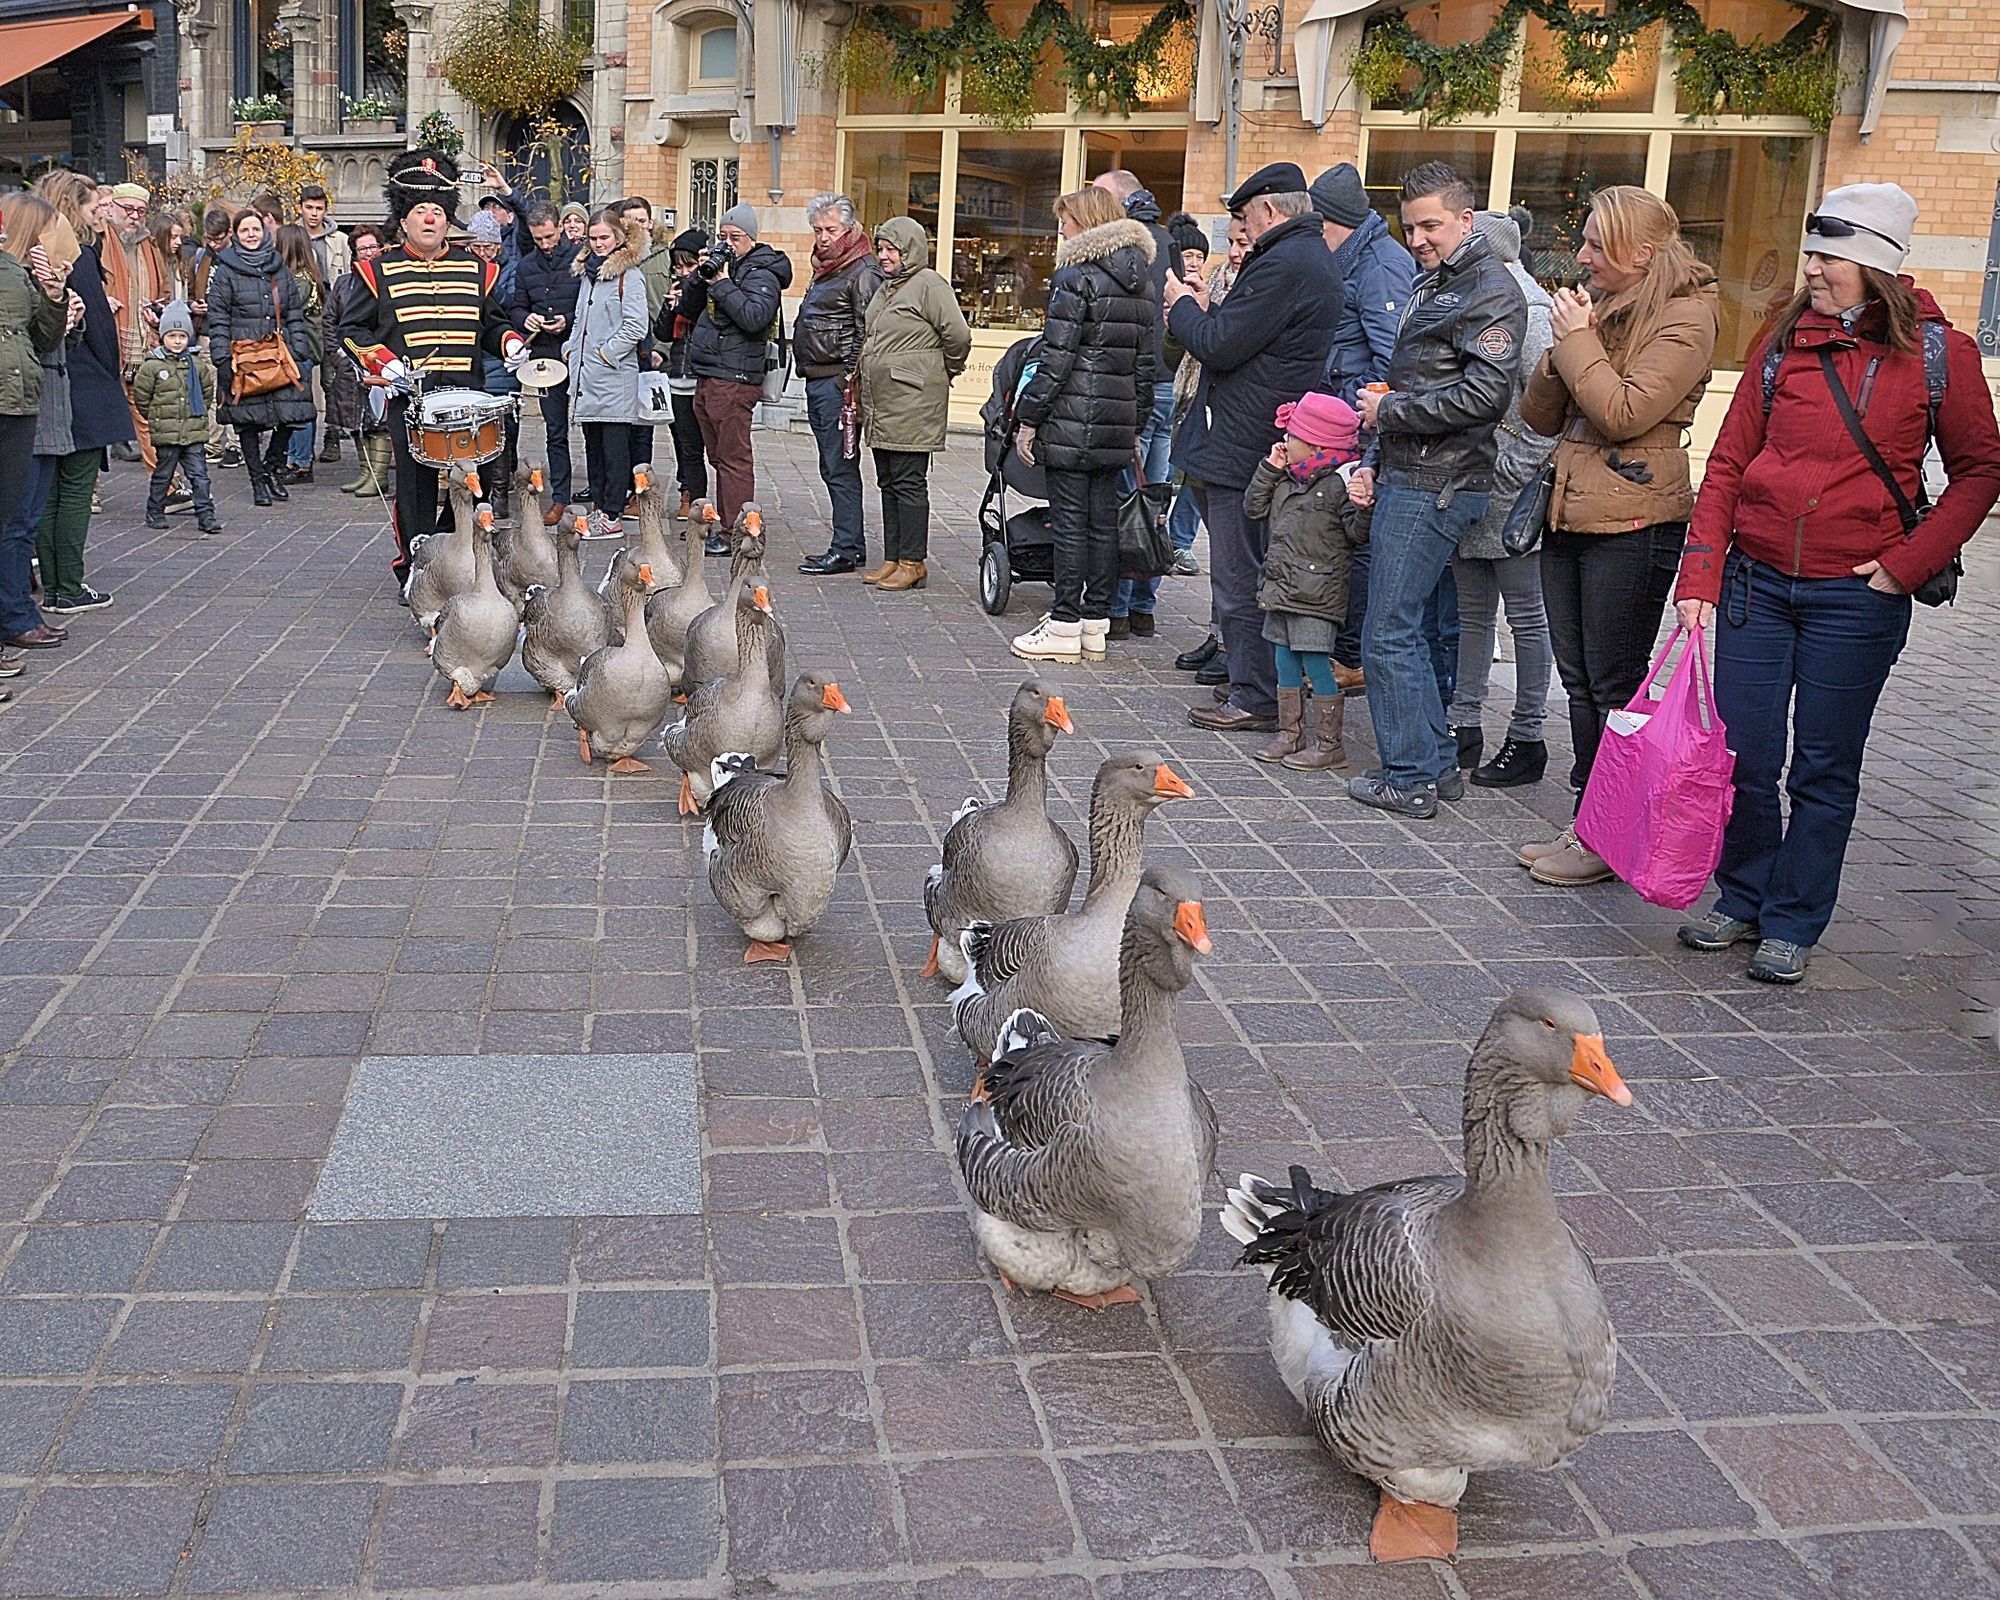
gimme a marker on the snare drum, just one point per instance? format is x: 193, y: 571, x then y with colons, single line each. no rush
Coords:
x: 459, y: 427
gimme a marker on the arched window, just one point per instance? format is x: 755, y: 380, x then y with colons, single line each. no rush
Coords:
x: 1741, y: 185
x: 713, y: 63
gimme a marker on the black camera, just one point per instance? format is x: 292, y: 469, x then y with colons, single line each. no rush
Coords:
x: 715, y: 260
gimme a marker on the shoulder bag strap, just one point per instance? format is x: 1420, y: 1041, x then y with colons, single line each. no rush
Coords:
x: 1869, y: 453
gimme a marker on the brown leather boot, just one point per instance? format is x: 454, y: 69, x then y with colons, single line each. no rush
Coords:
x: 908, y: 575
x: 1291, y: 734
x: 875, y: 575
x: 1326, y: 752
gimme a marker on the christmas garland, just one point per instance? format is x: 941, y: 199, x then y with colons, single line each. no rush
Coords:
x: 1795, y: 76
x: 884, y: 49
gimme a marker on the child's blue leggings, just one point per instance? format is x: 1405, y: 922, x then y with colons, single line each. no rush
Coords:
x: 1295, y: 666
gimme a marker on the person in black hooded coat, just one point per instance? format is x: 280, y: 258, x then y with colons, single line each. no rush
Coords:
x: 251, y: 295
x: 1081, y: 412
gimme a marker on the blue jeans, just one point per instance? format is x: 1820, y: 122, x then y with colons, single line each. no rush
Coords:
x: 18, y: 612
x: 1441, y: 635
x: 840, y: 474
x: 299, y: 453
x: 1184, y: 520
x: 1413, y: 539
x: 1814, y: 653
x: 1156, y: 448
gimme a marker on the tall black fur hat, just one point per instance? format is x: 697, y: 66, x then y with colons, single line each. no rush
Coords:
x: 419, y: 175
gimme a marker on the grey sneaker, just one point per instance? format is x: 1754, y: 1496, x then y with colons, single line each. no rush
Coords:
x: 1374, y: 789
x: 1779, y: 961
x: 1185, y: 565
x: 1451, y: 785
x: 1715, y: 930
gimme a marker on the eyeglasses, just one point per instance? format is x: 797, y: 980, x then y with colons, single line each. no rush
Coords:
x: 1840, y: 228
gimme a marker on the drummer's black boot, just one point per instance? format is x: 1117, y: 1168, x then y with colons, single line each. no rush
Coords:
x: 501, y: 497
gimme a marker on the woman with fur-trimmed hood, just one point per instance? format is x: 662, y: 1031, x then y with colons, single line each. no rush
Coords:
x: 603, y: 356
x: 1081, y: 412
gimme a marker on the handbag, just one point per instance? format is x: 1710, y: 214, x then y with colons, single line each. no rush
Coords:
x: 1940, y: 588
x: 263, y: 366
x: 1528, y: 518
x: 1145, y: 548
x: 1660, y: 790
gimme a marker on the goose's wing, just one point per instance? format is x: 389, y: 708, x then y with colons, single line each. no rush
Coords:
x: 1038, y: 1081
x: 1204, y: 1114
x: 1021, y: 1186
x: 962, y: 829
x: 1360, y: 1261
x: 994, y: 952
x: 736, y: 808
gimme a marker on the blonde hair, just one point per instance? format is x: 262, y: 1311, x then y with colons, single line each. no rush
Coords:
x: 1629, y: 219
x: 1089, y: 208
x: 69, y: 192
x: 28, y: 218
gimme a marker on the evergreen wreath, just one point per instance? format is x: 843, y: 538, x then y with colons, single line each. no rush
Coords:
x: 884, y: 49
x: 1796, y: 75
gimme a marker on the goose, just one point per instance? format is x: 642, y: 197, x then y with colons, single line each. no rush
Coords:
x: 622, y: 693
x: 530, y: 555
x: 1066, y: 966
x: 1440, y: 1326
x: 1005, y: 861
x: 670, y: 613
x: 711, y: 638
x: 774, y: 843
x: 477, y: 627
x: 1085, y: 1161
x: 734, y: 714
x: 645, y: 542
x: 441, y: 563
x: 565, y: 622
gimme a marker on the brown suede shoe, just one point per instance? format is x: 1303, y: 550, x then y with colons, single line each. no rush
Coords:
x: 554, y: 514
x: 1571, y: 867
x: 1349, y: 680
x: 1230, y: 719
x: 908, y: 575
x: 875, y: 575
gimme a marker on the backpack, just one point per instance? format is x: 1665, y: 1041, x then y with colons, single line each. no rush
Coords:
x: 1935, y: 369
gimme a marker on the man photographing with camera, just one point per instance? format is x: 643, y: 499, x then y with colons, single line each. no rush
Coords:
x: 743, y: 285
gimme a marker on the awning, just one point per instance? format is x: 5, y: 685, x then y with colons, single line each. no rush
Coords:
x: 1886, y: 26
x: 26, y: 46
x: 1312, y: 43
x: 774, y: 69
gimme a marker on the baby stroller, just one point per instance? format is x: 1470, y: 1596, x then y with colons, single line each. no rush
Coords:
x: 1017, y: 546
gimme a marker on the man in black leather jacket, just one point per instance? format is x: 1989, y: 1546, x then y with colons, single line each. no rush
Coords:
x: 1450, y: 380
x: 826, y: 339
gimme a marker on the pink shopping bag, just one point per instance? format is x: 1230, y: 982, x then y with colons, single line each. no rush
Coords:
x: 1659, y: 793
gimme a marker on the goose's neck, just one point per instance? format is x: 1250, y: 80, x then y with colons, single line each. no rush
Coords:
x: 569, y: 563
x: 750, y: 645
x: 482, y: 561
x: 1117, y: 851
x: 805, y: 763
x: 635, y: 617
x: 1501, y: 1167
x: 1027, y: 768
x: 1147, y: 1032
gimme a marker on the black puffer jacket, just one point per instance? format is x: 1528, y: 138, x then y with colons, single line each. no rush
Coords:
x: 731, y: 332
x: 1094, y: 385
x: 827, y: 336
x: 251, y: 295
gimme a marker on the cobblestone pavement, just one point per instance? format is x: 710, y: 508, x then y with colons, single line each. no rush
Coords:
x: 247, y: 846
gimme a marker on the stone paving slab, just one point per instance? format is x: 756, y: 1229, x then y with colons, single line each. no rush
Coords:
x: 247, y: 850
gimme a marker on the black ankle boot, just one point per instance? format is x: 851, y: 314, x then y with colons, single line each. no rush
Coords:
x: 1519, y: 762
x: 1471, y: 743
x: 260, y: 484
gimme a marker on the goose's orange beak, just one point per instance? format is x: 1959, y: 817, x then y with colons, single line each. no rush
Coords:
x: 1169, y: 782
x: 1056, y: 715
x: 761, y: 598
x: 753, y: 523
x: 472, y: 482
x: 640, y: 479
x: 646, y: 573
x: 1192, y: 926
x: 535, y: 479
x: 486, y: 517
x: 709, y: 513
x: 833, y: 699
x: 1590, y: 1068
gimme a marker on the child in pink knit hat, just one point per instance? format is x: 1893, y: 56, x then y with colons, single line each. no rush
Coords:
x: 1301, y: 488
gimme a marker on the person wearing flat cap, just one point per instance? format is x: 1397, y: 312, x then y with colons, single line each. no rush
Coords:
x: 1806, y: 547
x: 1263, y: 347
x: 426, y: 306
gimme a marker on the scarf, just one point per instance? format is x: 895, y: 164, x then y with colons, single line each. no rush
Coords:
x: 1323, y: 459
x: 593, y: 263
x: 849, y: 248
x: 196, y: 406
x: 261, y: 262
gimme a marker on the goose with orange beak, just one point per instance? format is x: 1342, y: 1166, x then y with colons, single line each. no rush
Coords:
x: 1442, y: 1326
x: 1008, y: 860
x: 477, y: 627
x: 622, y: 693
x: 1066, y: 966
x: 775, y: 844
x: 711, y: 638
x: 732, y: 715
x: 1085, y: 1161
x: 528, y: 556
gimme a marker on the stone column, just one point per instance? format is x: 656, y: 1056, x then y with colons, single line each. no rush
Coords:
x: 314, y: 33
x: 197, y: 104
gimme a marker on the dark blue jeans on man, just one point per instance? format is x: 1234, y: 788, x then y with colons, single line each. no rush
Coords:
x: 25, y: 481
x: 1156, y: 449
x: 840, y: 473
x: 1236, y: 546
x: 1412, y: 538
x: 1798, y: 662
x: 555, y: 422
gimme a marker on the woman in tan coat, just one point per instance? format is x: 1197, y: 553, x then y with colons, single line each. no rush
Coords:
x: 915, y: 343
x: 1618, y: 389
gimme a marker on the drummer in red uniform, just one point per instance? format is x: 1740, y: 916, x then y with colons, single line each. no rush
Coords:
x: 427, y: 306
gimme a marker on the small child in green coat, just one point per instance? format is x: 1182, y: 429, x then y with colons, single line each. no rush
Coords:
x: 174, y: 390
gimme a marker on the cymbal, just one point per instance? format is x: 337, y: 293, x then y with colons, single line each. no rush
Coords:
x: 544, y: 372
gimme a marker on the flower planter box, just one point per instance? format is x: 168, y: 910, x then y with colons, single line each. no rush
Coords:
x: 368, y: 125
x: 270, y: 131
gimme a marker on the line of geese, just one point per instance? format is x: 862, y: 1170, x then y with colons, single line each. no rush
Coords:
x: 1429, y: 1327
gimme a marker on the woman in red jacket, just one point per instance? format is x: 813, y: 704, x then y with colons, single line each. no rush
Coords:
x: 1805, y: 550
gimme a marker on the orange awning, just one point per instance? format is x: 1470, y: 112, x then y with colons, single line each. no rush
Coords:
x: 25, y: 46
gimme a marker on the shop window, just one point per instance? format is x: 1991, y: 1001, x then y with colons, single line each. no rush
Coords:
x: 1010, y: 16
x: 1544, y: 88
x: 1004, y: 227
x: 1555, y: 174
x: 894, y: 175
x: 263, y: 53
x: 374, y: 52
x: 1157, y: 157
x: 1742, y: 204
x: 714, y: 62
x: 1392, y: 152
x: 42, y: 96
x: 1460, y: 22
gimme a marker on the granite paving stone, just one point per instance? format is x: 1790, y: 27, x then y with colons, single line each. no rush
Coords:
x: 406, y: 1188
